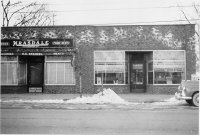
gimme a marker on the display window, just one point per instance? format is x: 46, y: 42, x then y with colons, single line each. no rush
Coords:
x: 109, y: 67
x: 59, y: 71
x: 169, y: 67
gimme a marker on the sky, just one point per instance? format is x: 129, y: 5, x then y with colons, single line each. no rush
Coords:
x: 111, y: 12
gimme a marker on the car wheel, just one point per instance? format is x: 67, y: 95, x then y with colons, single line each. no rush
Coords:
x: 195, y: 99
x: 189, y: 101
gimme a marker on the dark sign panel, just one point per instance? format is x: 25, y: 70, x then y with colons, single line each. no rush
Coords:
x: 38, y: 53
x: 32, y: 43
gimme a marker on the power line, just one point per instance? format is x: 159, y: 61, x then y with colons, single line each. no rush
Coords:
x: 114, y: 9
x: 144, y: 22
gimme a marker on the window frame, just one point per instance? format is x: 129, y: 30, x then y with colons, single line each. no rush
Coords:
x: 124, y: 63
x: 59, y: 61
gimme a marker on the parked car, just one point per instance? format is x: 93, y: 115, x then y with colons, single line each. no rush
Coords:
x: 189, y: 91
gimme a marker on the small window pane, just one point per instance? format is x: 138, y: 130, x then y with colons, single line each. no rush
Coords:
x: 109, y: 56
x: 69, y: 74
x: 51, y: 73
x: 8, y: 58
x: 168, y: 77
x: 22, y: 73
x: 8, y: 73
x: 150, y: 77
x: 4, y: 73
x: 60, y: 73
x: 57, y: 58
x: 168, y: 55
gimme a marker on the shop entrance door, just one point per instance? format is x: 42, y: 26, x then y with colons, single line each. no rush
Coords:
x: 137, y: 73
x: 137, y: 78
x: 35, y: 73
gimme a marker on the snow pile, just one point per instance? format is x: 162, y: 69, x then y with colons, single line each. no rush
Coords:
x: 108, y: 96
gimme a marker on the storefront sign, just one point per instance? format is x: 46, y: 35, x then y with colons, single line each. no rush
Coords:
x: 37, y: 43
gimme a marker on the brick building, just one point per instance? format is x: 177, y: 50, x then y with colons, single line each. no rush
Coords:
x: 128, y: 58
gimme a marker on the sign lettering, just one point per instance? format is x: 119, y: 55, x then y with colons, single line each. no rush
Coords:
x: 30, y: 43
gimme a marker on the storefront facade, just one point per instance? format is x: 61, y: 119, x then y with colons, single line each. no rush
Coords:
x: 127, y: 59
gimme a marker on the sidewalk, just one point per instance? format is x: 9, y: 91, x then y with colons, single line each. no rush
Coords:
x: 132, y: 97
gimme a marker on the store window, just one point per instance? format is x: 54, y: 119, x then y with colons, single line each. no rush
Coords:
x: 59, y: 71
x: 169, y: 67
x: 9, y: 70
x: 109, y: 67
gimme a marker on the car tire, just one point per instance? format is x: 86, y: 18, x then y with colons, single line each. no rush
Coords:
x: 189, y: 101
x: 195, y: 99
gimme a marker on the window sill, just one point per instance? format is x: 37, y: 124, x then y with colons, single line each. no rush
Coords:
x: 110, y: 84
x: 167, y: 84
x: 60, y: 84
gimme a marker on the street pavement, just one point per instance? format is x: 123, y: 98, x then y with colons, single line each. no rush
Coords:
x: 146, y: 114
x: 101, y: 122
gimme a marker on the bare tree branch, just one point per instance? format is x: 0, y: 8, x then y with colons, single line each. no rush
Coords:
x: 33, y: 14
x: 32, y: 4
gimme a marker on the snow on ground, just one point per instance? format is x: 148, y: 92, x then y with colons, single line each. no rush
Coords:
x: 34, y: 101
x: 171, y: 101
x: 107, y: 96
